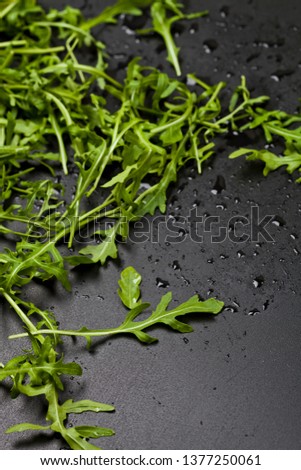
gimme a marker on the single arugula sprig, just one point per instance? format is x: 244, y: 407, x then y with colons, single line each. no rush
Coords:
x: 129, y: 294
x: 291, y: 160
x: 274, y: 124
x: 163, y: 22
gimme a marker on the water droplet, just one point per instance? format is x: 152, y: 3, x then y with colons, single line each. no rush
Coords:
x: 190, y: 81
x: 210, y: 45
x: 258, y: 281
x: 219, y: 186
x: 176, y: 266
x: 100, y: 297
x: 253, y: 312
x: 265, y: 305
x: 210, y: 260
x: 278, y: 221
x: 275, y: 78
x: 181, y: 187
x: 144, y: 186
x: 161, y: 283
x: 186, y: 340
x: 85, y: 296
x: 186, y: 281
x: 128, y: 31
x: 223, y: 256
x: 224, y: 11
x: 297, y: 252
x: 240, y: 254
x: 230, y: 308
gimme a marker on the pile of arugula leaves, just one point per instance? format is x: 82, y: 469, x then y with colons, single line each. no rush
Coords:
x: 55, y: 115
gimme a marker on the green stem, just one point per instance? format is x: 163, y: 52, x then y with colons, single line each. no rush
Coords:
x: 59, y: 137
x: 12, y: 43
x: 61, y: 107
x: 285, y: 133
x: 38, y: 51
x: 8, y: 9
x: 181, y: 119
x: 31, y: 327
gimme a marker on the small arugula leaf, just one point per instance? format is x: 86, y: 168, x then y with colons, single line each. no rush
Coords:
x: 97, y: 253
x: 26, y: 427
x: 121, y: 177
x: 125, y: 7
x: 156, y: 196
x: 93, y: 432
x: 82, y: 406
x: 162, y: 25
x: 272, y: 161
x: 129, y: 291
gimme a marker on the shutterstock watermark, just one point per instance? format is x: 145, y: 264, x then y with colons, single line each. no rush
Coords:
x: 196, y: 227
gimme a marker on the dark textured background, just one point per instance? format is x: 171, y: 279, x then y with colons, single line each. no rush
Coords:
x: 235, y: 382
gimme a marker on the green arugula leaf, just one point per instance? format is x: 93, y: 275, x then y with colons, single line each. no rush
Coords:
x: 97, y: 253
x: 125, y: 7
x: 26, y: 427
x: 162, y: 25
x: 93, y: 432
x: 272, y: 161
x: 82, y: 406
x: 129, y: 291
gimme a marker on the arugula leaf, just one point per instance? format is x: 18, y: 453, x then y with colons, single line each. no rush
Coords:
x: 26, y: 427
x: 82, y: 406
x: 129, y: 291
x: 108, y: 15
x: 162, y: 25
x: 272, y: 161
x: 273, y: 123
x: 97, y: 253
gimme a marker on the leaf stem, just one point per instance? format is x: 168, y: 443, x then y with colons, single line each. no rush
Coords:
x: 31, y: 327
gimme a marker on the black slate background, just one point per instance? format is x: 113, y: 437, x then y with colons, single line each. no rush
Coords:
x: 235, y: 382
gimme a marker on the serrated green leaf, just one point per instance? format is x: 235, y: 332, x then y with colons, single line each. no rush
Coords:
x: 97, y: 253
x: 121, y: 177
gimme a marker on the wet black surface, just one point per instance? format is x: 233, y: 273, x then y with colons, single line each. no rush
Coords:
x: 235, y: 382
